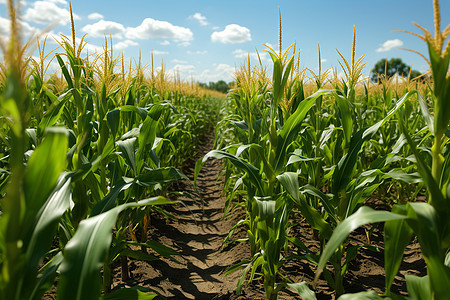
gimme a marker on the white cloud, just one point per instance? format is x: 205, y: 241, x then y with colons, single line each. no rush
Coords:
x: 183, y: 69
x: 157, y: 52
x: 233, y: 34
x: 102, y: 28
x: 95, y: 16
x: 27, y: 29
x: 151, y: 28
x: 198, y: 52
x: 239, y: 53
x: 63, y: 2
x: 48, y: 12
x: 124, y: 44
x: 220, y: 72
x: 323, y: 60
x: 165, y: 43
x: 389, y: 45
x: 179, y: 61
x: 200, y: 18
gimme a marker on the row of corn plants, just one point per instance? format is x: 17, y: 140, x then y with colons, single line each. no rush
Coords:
x: 79, y: 150
x: 319, y: 145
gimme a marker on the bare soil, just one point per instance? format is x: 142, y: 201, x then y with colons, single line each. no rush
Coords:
x: 198, y: 233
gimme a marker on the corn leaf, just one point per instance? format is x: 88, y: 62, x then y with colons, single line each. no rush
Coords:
x: 86, y: 252
x: 252, y: 171
x: 303, y: 290
x: 418, y: 287
x: 364, y: 215
x: 128, y: 294
x: 397, y: 235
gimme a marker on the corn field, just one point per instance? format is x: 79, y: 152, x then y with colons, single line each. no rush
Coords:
x: 89, y: 153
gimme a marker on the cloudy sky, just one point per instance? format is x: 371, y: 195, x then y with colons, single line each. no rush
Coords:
x: 206, y: 39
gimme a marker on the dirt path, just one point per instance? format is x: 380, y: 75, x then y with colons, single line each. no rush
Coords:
x: 197, y: 235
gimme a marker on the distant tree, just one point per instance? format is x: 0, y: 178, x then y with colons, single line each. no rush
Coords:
x: 390, y: 68
x: 220, y: 86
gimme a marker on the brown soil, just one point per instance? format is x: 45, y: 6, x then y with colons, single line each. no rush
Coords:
x: 198, y: 233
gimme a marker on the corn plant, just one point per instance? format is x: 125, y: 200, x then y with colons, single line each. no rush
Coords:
x: 426, y: 220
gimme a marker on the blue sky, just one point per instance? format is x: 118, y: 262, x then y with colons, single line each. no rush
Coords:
x: 206, y: 40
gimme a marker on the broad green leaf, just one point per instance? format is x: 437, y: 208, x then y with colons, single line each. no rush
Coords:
x: 369, y: 295
x: 46, y: 277
x: 289, y: 180
x: 303, y: 290
x: 252, y: 171
x: 54, y: 112
x: 137, y: 254
x: 113, y: 119
x: 127, y: 147
x: 344, y: 169
x: 40, y: 238
x: 364, y: 215
x: 418, y: 287
x: 291, y: 128
x: 109, y: 200
x: 397, y: 235
x: 44, y: 167
x: 142, y: 112
x: 345, y: 116
x: 429, y: 119
x: 161, y: 175
x: 86, y: 252
x: 128, y: 294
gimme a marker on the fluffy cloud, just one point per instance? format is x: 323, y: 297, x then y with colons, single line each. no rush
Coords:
x: 233, y: 34
x: 220, y: 72
x: 124, y: 44
x: 157, y: 52
x: 48, y: 12
x: 27, y: 29
x: 200, y: 18
x: 95, y: 16
x: 151, y: 28
x: 165, y: 43
x: 102, y: 28
x: 389, y: 45
x: 239, y: 53
x: 198, y: 52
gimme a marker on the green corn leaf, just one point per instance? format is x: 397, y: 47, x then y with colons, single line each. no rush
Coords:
x: 364, y: 215
x: 291, y: 128
x: 109, y: 200
x: 46, y: 278
x: 128, y: 294
x: 44, y: 167
x: 369, y: 295
x: 418, y: 287
x: 397, y: 235
x: 429, y: 119
x: 424, y: 220
x: 344, y: 169
x: 41, y: 236
x: 54, y: 113
x: 113, y: 119
x: 161, y: 175
x: 303, y: 290
x: 86, y: 252
x: 65, y: 71
x: 289, y: 180
x: 252, y: 171
x: 345, y: 113
x: 127, y: 147
x: 137, y: 254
